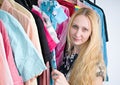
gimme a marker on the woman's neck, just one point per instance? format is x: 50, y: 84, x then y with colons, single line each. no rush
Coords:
x: 76, y: 50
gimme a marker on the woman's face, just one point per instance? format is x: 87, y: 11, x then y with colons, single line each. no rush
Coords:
x: 80, y: 30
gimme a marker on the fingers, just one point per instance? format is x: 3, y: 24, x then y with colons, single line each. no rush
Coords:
x: 55, y: 74
x: 59, y: 78
x: 55, y: 71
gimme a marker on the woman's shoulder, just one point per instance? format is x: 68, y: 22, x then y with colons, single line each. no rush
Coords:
x: 101, y: 70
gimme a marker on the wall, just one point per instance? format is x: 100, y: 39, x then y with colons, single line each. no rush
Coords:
x: 112, y: 12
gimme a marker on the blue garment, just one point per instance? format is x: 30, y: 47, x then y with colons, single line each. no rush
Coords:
x: 54, y: 10
x: 100, y: 13
x: 53, y: 60
x: 27, y: 59
x: 104, y: 48
x: 53, y: 65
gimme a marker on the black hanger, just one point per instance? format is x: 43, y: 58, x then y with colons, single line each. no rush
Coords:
x: 29, y: 3
x: 90, y: 1
x: 94, y: 1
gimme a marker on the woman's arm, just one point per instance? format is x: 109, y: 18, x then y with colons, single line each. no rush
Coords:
x: 98, y: 81
x: 100, y: 75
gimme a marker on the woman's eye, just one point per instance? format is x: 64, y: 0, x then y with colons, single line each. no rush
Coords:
x: 84, y: 29
x: 75, y: 27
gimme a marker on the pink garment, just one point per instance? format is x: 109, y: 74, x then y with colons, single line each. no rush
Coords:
x: 77, y: 2
x: 45, y: 76
x: 61, y: 32
x: 48, y: 24
x: 17, y: 79
x: 27, y: 23
x: 5, y: 75
x: 51, y: 42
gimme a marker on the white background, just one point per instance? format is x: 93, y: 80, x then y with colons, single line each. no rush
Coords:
x: 112, y: 13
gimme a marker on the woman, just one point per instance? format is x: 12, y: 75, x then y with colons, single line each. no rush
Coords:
x: 83, y: 63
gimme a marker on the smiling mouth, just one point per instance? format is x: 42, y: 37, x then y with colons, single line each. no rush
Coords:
x: 76, y: 39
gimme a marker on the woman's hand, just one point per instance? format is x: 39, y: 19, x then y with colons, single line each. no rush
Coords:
x: 59, y: 78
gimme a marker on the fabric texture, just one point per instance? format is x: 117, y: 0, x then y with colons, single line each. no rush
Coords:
x: 28, y: 61
x: 17, y: 79
x: 5, y: 76
x: 61, y: 34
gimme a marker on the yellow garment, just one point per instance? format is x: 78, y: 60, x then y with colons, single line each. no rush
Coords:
x: 76, y: 6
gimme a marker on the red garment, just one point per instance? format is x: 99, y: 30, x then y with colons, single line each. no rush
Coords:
x: 17, y: 79
x: 69, y: 5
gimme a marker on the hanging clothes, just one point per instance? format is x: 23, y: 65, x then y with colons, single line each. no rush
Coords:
x: 61, y: 33
x: 27, y: 22
x: 54, y: 10
x: 5, y: 76
x: 47, y: 55
x: 17, y: 79
x: 69, y: 5
x: 25, y: 53
x: 47, y: 24
x: 42, y: 37
x: 44, y: 45
x: 51, y: 42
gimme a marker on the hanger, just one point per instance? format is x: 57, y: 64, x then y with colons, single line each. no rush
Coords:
x: 94, y: 1
x: 29, y: 3
x: 89, y: 1
x: 34, y: 2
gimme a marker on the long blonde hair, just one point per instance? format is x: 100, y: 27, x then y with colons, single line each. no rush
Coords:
x: 84, y: 68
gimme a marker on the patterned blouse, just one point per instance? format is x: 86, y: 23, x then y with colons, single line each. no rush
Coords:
x: 68, y: 62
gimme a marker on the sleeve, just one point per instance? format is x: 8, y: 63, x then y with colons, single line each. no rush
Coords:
x: 101, y: 70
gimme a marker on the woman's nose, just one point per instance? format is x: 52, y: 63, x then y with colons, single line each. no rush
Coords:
x: 78, y: 33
